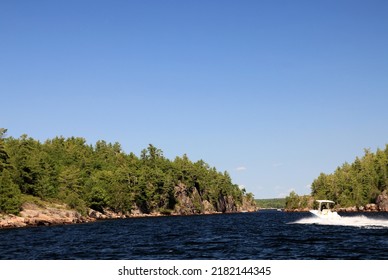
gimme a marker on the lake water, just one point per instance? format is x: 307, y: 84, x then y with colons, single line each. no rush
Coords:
x: 261, y: 235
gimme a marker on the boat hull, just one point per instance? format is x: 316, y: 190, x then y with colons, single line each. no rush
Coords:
x: 326, y: 214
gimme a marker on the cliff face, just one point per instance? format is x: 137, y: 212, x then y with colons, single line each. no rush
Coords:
x: 190, y: 202
x: 248, y: 205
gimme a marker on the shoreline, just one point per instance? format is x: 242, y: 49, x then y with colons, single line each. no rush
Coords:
x: 381, y: 205
x: 35, y: 216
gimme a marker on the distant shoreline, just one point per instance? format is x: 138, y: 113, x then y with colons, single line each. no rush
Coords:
x: 35, y: 216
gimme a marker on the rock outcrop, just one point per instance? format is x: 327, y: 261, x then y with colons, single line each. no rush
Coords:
x: 248, y: 205
x: 382, y: 201
x: 370, y: 207
x: 190, y: 201
x: 34, y: 215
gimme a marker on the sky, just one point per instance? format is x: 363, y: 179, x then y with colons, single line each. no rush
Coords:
x: 273, y: 92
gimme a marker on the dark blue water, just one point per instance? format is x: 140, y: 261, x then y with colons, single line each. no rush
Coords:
x: 262, y: 235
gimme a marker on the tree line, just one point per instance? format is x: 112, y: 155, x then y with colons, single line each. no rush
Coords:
x: 102, y: 176
x: 270, y: 203
x: 352, y: 184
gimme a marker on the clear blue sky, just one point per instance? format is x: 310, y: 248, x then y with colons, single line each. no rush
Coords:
x: 274, y: 92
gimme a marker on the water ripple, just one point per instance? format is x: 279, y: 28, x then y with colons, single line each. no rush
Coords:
x: 262, y: 235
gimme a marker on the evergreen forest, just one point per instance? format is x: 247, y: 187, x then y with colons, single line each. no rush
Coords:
x: 100, y: 176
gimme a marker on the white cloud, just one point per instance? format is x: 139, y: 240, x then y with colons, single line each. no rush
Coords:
x: 241, y: 168
x: 285, y: 193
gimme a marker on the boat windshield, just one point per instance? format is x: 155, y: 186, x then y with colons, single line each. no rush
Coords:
x: 325, y: 204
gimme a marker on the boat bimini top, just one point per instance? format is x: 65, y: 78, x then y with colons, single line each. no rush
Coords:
x: 324, y: 203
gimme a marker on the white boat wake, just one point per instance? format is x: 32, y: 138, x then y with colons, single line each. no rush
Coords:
x: 355, y: 221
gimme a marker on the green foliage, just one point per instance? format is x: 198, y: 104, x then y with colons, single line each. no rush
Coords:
x: 271, y: 203
x: 75, y: 202
x: 10, y: 202
x: 4, y: 158
x: 356, y: 184
x: 294, y: 201
x: 103, y: 176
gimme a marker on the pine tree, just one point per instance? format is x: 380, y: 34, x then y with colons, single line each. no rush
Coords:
x: 9, y: 194
x: 4, y: 158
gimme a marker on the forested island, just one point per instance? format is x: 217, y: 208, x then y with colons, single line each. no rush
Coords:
x: 77, y: 181
x: 358, y: 186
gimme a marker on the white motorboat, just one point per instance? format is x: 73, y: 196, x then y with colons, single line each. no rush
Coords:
x: 324, y: 210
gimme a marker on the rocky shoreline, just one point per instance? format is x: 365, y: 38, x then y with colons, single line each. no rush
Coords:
x: 189, y: 202
x: 362, y: 209
x: 33, y: 215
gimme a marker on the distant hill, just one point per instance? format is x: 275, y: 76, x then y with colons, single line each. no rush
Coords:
x: 271, y: 203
